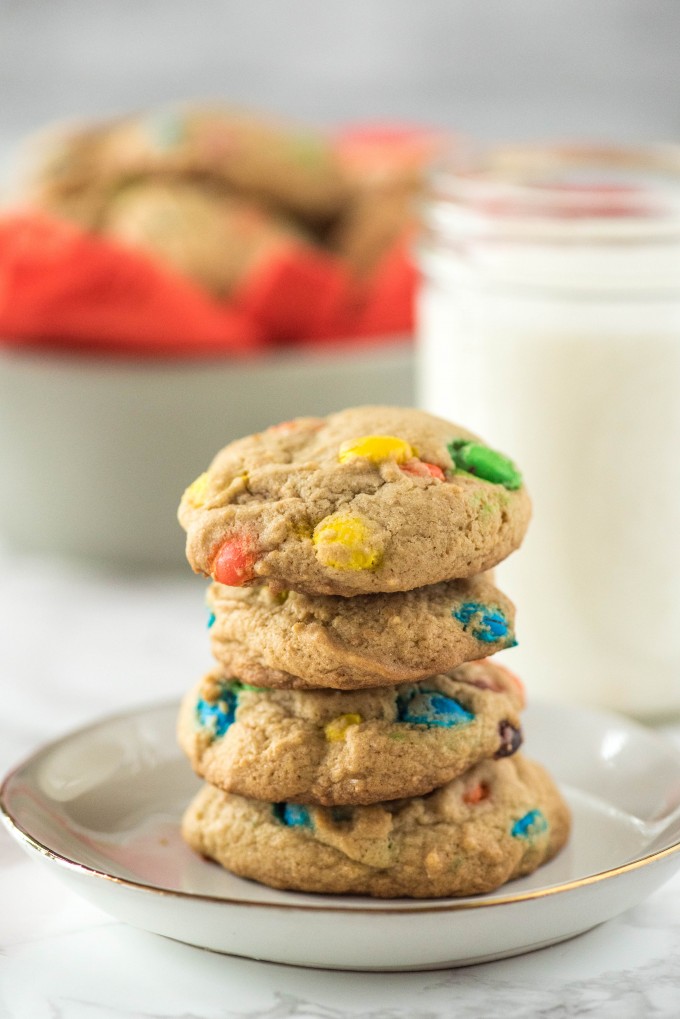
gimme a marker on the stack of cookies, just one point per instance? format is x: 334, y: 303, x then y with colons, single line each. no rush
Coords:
x: 354, y: 735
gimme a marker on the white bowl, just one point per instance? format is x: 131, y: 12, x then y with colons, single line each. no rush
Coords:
x: 95, y: 452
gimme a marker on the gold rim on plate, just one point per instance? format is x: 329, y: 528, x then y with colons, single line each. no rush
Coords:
x: 486, y: 901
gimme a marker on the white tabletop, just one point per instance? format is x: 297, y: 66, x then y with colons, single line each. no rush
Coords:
x: 77, y: 645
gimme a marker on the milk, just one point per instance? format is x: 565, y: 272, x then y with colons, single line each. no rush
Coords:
x: 569, y: 362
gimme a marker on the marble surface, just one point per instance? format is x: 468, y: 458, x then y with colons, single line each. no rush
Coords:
x: 77, y: 644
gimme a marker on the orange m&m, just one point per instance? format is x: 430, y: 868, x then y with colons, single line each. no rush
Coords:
x: 422, y: 469
x: 235, y: 561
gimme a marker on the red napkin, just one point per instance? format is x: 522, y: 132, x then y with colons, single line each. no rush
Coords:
x: 62, y: 287
x: 299, y: 295
x: 389, y: 304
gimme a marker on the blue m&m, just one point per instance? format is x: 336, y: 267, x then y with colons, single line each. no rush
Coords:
x: 531, y: 824
x: 218, y: 715
x: 485, y: 623
x: 430, y: 707
x: 293, y: 815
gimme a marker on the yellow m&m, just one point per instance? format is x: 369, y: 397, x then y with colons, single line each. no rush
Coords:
x: 336, y: 730
x: 197, y: 490
x: 345, y: 543
x: 376, y: 448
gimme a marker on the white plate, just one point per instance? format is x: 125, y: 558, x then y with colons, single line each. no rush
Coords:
x: 102, y: 805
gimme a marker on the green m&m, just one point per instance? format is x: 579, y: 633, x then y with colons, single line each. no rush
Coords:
x: 485, y: 463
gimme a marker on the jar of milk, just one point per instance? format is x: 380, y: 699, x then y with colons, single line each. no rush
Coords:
x: 549, y: 322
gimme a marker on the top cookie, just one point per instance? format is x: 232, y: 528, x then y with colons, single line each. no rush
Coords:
x: 371, y: 499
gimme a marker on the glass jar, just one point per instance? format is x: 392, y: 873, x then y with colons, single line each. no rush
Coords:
x: 549, y: 323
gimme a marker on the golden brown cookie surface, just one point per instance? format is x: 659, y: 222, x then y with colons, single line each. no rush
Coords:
x: 275, y: 163
x: 211, y: 237
x: 363, y: 746
x: 295, y: 640
x: 368, y: 500
x: 500, y: 820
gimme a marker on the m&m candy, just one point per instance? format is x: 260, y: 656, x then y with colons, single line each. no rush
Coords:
x: 293, y: 815
x: 197, y: 490
x: 344, y: 542
x: 336, y: 730
x: 532, y: 823
x: 422, y: 469
x: 485, y: 623
x: 376, y: 448
x: 430, y: 707
x: 235, y: 561
x: 218, y: 715
x: 485, y: 463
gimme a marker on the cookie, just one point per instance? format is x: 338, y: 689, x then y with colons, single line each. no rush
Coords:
x: 282, y: 165
x: 368, y: 500
x: 498, y: 821
x: 373, y: 221
x: 289, y: 639
x: 212, y: 238
x: 331, y: 747
x: 386, y: 167
x: 58, y: 172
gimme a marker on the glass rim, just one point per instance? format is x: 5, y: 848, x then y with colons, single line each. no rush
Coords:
x: 588, y: 181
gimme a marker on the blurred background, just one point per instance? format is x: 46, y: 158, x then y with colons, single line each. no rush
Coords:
x: 502, y: 68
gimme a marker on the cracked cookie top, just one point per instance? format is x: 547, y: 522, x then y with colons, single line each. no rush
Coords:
x: 368, y: 500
